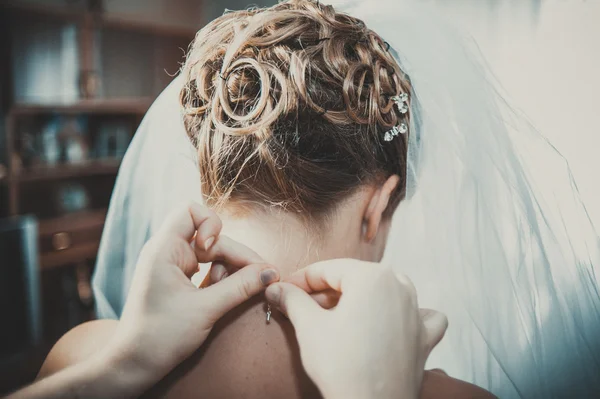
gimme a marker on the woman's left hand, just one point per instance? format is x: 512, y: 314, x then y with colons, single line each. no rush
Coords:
x: 166, y: 318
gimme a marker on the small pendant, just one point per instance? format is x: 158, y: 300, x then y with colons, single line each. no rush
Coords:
x: 268, y: 314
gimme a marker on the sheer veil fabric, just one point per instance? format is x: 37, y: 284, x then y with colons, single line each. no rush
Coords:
x: 159, y: 172
x: 509, y: 260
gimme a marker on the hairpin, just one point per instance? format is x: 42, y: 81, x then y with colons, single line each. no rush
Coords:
x: 401, y: 102
x: 396, y: 130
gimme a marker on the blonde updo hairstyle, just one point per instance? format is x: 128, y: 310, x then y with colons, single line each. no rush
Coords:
x: 288, y: 106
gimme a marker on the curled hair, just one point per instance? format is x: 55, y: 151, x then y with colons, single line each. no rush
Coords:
x: 288, y: 106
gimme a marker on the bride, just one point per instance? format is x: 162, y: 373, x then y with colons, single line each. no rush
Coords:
x: 310, y: 132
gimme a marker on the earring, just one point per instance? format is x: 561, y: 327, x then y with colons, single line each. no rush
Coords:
x: 268, y: 313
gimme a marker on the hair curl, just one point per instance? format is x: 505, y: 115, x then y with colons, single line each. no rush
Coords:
x: 288, y: 106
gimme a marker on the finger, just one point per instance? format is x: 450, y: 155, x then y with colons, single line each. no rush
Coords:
x: 185, y: 221
x: 436, y: 324
x: 293, y: 302
x: 205, y: 282
x: 218, y: 272
x: 407, y: 283
x: 438, y: 371
x: 330, y: 274
x: 165, y: 249
x: 326, y: 299
x: 208, y: 231
x: 229, y: 252
x: 238, y: 288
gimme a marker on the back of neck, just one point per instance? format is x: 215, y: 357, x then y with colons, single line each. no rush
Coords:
x: 280, y: 239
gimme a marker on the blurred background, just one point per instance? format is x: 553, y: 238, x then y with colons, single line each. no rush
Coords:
x: 77, y: 76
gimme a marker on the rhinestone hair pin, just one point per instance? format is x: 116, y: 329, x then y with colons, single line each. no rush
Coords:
x: 396, y: 130
x: 401, y: 102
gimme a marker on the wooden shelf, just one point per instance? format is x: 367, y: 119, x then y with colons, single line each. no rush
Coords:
x: 82, y: 230
x: 92, y: 168
x: 126, y: 106
x: 124, y: 22
x: 53, y: 260
x: 74, y: 221
x: 67, y: 14
x: 114, y: 21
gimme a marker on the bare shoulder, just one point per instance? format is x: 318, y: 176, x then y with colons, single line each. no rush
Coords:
x: 438, y: 385
x: 77, y: 345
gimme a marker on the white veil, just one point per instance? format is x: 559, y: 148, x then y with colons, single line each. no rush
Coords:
x: 493, y: 232
x: 510, y: 261
x: 159, y: 172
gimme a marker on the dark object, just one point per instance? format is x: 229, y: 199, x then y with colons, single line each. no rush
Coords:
x: 115, y: 94
x: 70, y: 239
x: 20, y: 310
x: 71, y: 197
x: 28, y: 151
x: 89, y: 83
x: 112, y: 140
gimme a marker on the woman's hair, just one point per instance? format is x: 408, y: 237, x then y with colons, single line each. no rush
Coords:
x: 288, y: 106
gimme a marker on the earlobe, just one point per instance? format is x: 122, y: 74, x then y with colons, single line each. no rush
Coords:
x: 377, y: 206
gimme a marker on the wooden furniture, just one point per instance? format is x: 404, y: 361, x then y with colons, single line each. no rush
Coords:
x: 165, y: 18
x: 20, y: 303
x: 91, y: 66
x: 32, y: 189
x: 110, y: 38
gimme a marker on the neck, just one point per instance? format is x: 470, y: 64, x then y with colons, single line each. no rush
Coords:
x: 285, y: 241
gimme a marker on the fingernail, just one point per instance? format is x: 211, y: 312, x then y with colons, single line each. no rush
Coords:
x: 268, y: 276
x: 208, y: 243
x: 273, y: 294
x: 223, y: 275
x: 435, y: 321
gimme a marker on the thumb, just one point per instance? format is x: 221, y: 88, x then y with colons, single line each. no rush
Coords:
x: 237, y: 288
x: 295, y: 303
x: 436, y: 324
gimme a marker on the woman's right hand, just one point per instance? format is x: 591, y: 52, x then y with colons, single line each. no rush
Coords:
x: 373, y: 343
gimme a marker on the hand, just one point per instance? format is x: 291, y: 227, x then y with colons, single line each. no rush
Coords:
x: 373, y: 343
x: 166, y: 318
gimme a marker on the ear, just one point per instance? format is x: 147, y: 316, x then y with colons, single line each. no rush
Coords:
x: 377, y: 204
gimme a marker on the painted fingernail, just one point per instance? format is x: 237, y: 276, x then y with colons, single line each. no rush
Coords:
x: 268, y: 276
x: 273, y: 294
x: 208, y: 243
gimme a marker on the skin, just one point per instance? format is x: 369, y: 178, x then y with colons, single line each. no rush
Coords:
x: 244, y: 357
x: 154, y: 335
